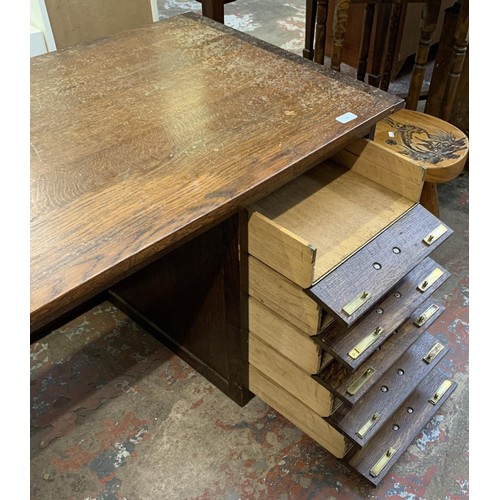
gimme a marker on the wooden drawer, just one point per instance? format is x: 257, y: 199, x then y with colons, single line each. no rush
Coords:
x: 312, y: 224
x: 355, y: 286
x: 350, y: 386
x: 298, y: 413
x: 362, y: 421
x: 285, y: 338
x: 285, y: 298
x: 289, y: 376
x: 375, y: 460
x: 355, y: 345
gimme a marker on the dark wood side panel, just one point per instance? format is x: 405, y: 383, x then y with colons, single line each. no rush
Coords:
x: 338, y: 378
x: 388, y: 315
x: 376, y: 268
x: 190, y: 299
x: 388, y: 394
x: 403, y: 428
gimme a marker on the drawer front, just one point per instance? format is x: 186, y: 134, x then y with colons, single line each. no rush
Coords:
x: 289, y: 376
x: 362, y: 421
x: 355, y: 286
x: 353, y: 346
x: 375, y: 460
x: 285, y: 297
x: 284, y: 337
x: 350, y: 386
x: 298, y: 413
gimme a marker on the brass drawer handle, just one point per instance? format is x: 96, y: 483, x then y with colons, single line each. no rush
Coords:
x: 426, y: 315
x: 356, y: 303
x: 362, y: 346
x: 430, y: 280
x: 368, y: 425
x: 382, y: 462
x: 441, y: 391
x: 360, y: 381
x: 434, y: 235
x: 431, y: 355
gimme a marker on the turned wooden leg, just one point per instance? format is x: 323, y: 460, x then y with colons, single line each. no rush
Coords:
x: 429, y: 198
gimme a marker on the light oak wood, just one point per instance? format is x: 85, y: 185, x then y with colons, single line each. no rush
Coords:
x: 143, y: 140
x: 283, y: 337
x: 289, y: 376
x: 332, y: 210
x: 298, y: 413
x: 284, y: 297
x: 374, y: 162
x: 281, y: 249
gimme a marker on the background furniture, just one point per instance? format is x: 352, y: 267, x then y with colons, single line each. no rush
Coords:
x: 437, y: 144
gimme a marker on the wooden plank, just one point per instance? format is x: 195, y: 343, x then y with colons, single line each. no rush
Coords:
x: 388, y: 314
x: 281, y: 249
x: 284, y: 297
x: 360, y: 273
x: 289, y: 376
x: 298, y: 413
x: 283, y: 337
x: 398, y: 383
x: 396, y: 173
x: 338, y: 378
x: 332, y: 208
x: 409, y: 425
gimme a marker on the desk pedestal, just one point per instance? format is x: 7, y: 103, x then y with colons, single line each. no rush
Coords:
x: 191, y: 301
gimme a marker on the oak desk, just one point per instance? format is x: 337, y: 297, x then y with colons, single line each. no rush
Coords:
x: 145, y: 148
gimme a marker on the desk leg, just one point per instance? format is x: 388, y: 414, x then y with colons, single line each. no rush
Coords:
x: 192, y: 301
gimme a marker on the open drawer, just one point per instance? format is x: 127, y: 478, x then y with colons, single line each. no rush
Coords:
x: 312, y: 224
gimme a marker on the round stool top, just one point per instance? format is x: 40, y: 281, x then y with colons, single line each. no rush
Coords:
x: 431, y: 142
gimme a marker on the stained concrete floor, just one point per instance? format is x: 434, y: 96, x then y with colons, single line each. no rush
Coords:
x: 115, y: 415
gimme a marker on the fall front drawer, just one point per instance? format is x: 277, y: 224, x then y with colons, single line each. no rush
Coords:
x: 340, y: 296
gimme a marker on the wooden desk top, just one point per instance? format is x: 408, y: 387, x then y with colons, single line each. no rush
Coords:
x: 143, y: 140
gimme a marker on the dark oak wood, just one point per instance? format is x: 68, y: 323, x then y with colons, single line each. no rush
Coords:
x: 388, y: 314
x: 409, y: 425
x: 338, y: 378
x: 357, y: 274
x: 210, y: 120
x: 214, y: 9
x: 191, y: 300
x: 409, y: 370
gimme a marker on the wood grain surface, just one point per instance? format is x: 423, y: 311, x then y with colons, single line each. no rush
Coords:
x: 358, y: 273
x: 142, y: 140
x: 409, y: 425
x: 409, y: 370
x: 335, y: 210
x: 337, y: 378
x: 388, y: 314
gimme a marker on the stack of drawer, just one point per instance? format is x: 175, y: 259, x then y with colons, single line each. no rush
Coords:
x: 340, y: 296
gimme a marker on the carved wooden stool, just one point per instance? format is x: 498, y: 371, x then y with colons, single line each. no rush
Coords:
x: 429, y: 141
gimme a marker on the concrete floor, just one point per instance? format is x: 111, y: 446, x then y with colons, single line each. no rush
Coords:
x: 115, y: 415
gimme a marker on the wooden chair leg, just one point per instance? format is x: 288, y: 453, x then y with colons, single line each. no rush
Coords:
x: 308, y: 51
x: 429, y: 198
x: 213, y: 9
x: 320, y: 42
x: 380, y: 38
x: 392, y: 38
x: 366, y: 35
x: 340, y: 18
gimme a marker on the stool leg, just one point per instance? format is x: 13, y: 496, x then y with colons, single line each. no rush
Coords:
x: 429, y: 198
x: 308, y: 51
